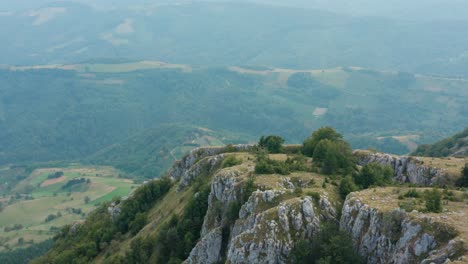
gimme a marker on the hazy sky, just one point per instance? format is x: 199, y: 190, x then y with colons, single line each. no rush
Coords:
x: 401, y: 9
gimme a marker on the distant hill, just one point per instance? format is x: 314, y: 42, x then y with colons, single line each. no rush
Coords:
x: 224, y: 34
x: 69, y: 112
x: 456, y: 145
x: 150, y: 153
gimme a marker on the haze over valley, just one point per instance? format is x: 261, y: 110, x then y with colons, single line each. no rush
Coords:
x: 130, y: 125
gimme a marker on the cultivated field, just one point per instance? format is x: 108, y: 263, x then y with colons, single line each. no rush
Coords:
x: 57, y: 199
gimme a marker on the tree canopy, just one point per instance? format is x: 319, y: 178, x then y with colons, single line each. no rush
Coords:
x: 322, y: 133
x: 274, y: 144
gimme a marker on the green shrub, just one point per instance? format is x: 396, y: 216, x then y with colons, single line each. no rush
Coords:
x: 463, y: 181
x: 334, y: 157
x: 230, y: 148
x: 408, y: 206
x: 298, y: 191
x: 392, y: 224
x: 329, y: 245
x: 433, y: 201
x: 274, y: 144
x: 413, y: 194
x: 347, y: 186
x: 308, y: 147
x: 374, y: 174
x: 230, y: 161
x: 297, y: 163
x: 265, y: 165
x: 233, y: 211
x: 314, y: 195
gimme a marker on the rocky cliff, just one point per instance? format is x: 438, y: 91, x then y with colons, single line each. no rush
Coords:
x: 244, y: 217
x: 406, y: 169
x: 384, y: 233
x: 267, y: 226
x: 272, y: 220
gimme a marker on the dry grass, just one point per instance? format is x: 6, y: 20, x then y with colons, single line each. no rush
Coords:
x: 386, y: 199
x: 52, y: 181
x: 451, y: 165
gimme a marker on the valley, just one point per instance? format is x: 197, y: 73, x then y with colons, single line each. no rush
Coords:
x: 233, y: 131
x: 49, y: 198
x: 132, y: 101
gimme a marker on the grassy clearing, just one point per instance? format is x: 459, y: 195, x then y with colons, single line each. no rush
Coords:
x: 452, y: 165
x: 52, y: 198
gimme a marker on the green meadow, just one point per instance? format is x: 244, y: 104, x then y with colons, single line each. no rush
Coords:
x: 58, y: 201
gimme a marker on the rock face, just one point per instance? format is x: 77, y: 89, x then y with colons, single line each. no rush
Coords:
x: 208, y: 249
x: 406, y: 169
x: 391, y: 237
x: 267, y: 235
x: 268, y: 225
x: 181, y: 167
x: 270, y: 222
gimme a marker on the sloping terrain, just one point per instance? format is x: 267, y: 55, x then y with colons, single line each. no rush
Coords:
x: 454, y: 146
x: 149, y: 154
x: 50, y: 198
x: 220, y: 210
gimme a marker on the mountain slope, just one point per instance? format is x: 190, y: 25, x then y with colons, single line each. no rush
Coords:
x: 152, y: 152
x: 223, y: 211
x: 456, y: 145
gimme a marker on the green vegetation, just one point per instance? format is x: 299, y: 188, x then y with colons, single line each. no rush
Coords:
x: 329, y: 245
x: 230, y: 161
x: 80, y: 244
x: 334, y: 157
x: 456, y: 145
x: 150, y: 154
x: 347, y: 186
x: 25, y: 255
x: 433, y: 201
x: 320, y: 134
x: 374, y: 174
x: 41, y: 203
x: 140, y: 126
x: 329, y: 151
x: 179, y: 236
x: 55, y: 175
x: 273, y: 144
x: 412, y: 193
x: 266, y: 165
x: 463, y: 181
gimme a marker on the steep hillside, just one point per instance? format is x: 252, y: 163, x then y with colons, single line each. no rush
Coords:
x: 224, y: 206
x: 456, y: 145
x: 151, y: 153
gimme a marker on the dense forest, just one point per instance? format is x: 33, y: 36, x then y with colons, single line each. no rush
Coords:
x: 54, y: 114
x: 27, y: 254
